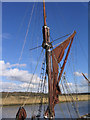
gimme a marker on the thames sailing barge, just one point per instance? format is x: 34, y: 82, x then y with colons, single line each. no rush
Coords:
x: 53, y: 57
x: 57, y: 55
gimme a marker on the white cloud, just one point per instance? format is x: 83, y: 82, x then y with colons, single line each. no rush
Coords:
x: 73, y: 88
x: 11, y: 72
x: 4, y: 66
x: 20, y: 75
x: 9, y: 87
x: 15, y: 74
x: 79, y: 74
x: 23, y: 77
x: 20, y: 87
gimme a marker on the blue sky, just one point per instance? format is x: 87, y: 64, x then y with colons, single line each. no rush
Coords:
x: 62, y: 18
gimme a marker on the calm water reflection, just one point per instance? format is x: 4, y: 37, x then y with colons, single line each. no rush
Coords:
x: 61, y: 110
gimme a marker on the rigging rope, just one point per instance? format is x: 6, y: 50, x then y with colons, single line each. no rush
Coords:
x: 82, y: 49
x: 69, y: 68
x: 21, y: 23
x: 26, y: 33
x: 51, y: 42
x: 42, y: 86
x: 32, y: 35
x: 41, y: 97
x: 68, y: 90
x: 63, y: 87
x: 66, y: 101
x: 60, y: 37
x: 23, y: 43
x: 75, y: 80
x: 72, y: 89
x: 72, y: 71
x: 36, y: 47
x: 39, y: 81
x: 33, y: 75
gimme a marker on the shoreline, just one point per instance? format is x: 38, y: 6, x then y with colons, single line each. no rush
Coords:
x: 35, y: 100
x: 7, y: 105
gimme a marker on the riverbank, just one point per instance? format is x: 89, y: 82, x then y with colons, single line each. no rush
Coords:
x: 20, y: 98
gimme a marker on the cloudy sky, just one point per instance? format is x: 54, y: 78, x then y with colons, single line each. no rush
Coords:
x: 22, y: 30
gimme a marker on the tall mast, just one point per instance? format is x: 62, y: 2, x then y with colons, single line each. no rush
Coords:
x: 44, y: 13
x: 46, y: 46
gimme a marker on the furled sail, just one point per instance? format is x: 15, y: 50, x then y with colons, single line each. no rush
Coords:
x: 57, y: 55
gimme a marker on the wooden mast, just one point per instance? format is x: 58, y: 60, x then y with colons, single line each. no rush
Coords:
x: 46, y: 46
x: 44, y: 13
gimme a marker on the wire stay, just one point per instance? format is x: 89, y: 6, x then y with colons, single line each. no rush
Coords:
x: 51, y: 42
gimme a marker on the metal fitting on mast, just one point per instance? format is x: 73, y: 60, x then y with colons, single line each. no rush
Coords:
x: 46, y: 43
x: 46, y: 34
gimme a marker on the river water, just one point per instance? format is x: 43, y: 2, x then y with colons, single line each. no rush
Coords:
x: 62, y: 110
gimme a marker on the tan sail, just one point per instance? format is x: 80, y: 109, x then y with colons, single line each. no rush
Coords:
x: 57, y: 55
